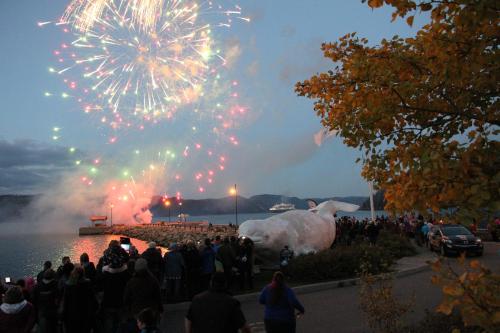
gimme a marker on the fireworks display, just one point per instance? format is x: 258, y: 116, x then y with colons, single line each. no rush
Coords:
x: 136, y: 66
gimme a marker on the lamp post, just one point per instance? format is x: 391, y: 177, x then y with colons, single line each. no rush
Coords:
x: 111, y: 207
x: 168, y: 204
x: 233, y: 191
x: 180, y: 211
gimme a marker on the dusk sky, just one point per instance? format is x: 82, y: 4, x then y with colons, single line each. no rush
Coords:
x: 275, y: 153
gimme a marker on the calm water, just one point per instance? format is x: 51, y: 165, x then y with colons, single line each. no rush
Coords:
x: 23, y: 254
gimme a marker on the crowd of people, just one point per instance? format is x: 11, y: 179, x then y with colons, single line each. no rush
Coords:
x: 351, y: 230
x: 125, y: 291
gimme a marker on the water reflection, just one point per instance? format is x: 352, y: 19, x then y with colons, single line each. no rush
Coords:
x: 23, y: 255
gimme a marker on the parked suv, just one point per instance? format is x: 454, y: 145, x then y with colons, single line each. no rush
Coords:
x: 454, y: 239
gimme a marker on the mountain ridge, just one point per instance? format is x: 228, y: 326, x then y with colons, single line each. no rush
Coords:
x: 12, y: 206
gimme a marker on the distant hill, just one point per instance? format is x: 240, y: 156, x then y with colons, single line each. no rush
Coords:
x: 255, y: 204
x: 12, y: 206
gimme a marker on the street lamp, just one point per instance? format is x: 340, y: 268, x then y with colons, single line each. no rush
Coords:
x: 111, y: 207
x: 168, y: 204
x: 180, y: 211
x: 234, y: 192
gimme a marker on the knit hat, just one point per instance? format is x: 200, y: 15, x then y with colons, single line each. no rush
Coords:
x: 152, y: 245
x: 115, y: 257
x: 141, y: 265
x: 13, y: 295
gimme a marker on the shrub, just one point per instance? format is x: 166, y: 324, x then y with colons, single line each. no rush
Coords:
x: 397, y: 245
x: 473, y: 290
x: 384, y: 311
x: 340, y: 263
x: 439, y: 323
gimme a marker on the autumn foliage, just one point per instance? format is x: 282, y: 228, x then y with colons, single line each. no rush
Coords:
x: 475, y: 292
x: 423, y: 110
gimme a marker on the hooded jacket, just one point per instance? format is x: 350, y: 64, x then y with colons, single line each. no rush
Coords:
x: 17, y: 318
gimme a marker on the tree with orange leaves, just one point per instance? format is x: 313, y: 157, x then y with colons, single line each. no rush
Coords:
x: 424, y: 110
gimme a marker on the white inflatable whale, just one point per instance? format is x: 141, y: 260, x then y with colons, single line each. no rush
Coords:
x: 304, y: 231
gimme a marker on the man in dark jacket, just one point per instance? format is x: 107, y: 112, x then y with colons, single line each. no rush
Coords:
x: 207, y: 254
x: 16, y: 314
x: 192, y: 259
x: 227, y: 257
x: 46, y: 265
x: 142, y: 291
x: 215, y: 311
x: 112, y: 282
x: 46, y: 299
x: 154, y: 259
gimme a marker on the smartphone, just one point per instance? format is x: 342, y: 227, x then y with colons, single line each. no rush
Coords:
x: 7, y: 280
x: 125, y: 243
x: 126, y: 247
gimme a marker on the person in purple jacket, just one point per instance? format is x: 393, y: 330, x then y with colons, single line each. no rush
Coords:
x: 280, y: 302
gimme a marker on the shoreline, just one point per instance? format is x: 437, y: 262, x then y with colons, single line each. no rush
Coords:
x: 164, y: 234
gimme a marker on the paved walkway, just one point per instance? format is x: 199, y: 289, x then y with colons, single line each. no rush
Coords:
x: 336, y: 310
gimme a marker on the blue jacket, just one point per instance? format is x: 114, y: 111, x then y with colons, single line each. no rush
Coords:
x: 207, y: 260
x: 425, y: 229
x: 284, y: 309
x: 174, y: 264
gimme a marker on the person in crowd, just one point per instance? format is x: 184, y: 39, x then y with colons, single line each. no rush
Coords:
x: 142, y: 291
x: 88, y: 267
x: 17, y: 315
x: 372, y: 231
x: 79, y: 305
x: 174, y: 266
x: 217, y: 243
x: 133, y: 252
x: 227, y: 257
x: 425, y: 233
x: 234, y: 244
x: 60, y: 270
x: 154, y: 259
x: 21, y: 283
x: 46, y: 265
x: 215, y: 311
x: 419, y: 236
x: 147, y: 321
x: 245, y: 267
x: 65, y: 272
x: 112, y: 282
x: 46, y: 299
x: 207, y: 264
x: 494, y: 229
x: 192, y: 259
x: 473, y: 226
x: 280, y: 305
x: 285, y: 256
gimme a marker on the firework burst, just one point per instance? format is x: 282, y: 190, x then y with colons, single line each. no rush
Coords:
x: 141, y: 59
x: 133, y: 62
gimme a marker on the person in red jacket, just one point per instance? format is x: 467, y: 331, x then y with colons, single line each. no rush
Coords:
x: 16, y: 314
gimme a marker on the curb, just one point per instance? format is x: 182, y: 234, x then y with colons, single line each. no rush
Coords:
x: 305, y: 289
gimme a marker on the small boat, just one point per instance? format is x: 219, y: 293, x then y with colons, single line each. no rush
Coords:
x: 281, y: 207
